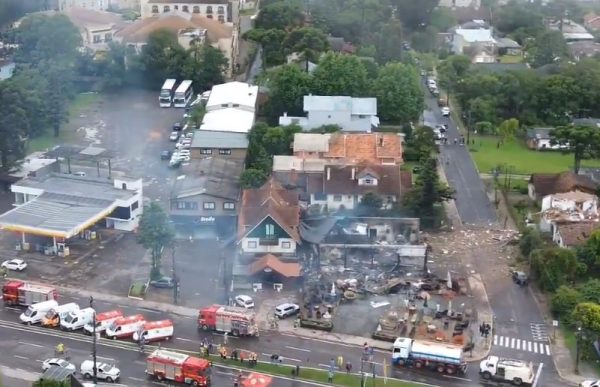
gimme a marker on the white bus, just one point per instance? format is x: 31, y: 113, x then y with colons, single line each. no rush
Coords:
x: 165, y: 99
x: 183, y: 94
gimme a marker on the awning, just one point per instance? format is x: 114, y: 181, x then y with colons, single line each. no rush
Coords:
x: 270, y: 262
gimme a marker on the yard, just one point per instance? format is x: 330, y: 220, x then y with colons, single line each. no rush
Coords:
x: 67, y: 133
x: 515, y: 154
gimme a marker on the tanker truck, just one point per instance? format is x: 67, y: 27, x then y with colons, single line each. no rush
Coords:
x: 440, y: 357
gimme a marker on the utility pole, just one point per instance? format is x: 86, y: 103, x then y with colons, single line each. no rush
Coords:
x: 95, y: 375
x: 174, y: 275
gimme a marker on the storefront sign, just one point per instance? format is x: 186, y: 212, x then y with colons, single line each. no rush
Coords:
x: 207, y: 219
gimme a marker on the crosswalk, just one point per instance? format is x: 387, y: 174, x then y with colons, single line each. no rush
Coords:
x: 522, y: 345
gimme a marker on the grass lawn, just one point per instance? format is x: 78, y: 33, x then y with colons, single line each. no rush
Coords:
x: 47, y: 140
x: 511, y: 59
x: 524, y: 161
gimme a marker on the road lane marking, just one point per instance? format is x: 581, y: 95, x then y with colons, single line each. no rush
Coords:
x: 495, y: 340
x: 457, y: 378
x: 33, y: 345
x: 105, y: 358
x: 182, y: 339
x: 21, y: 357
x: 298, y: 349
x: 548, y: 349
x: 537, y: 375
x: 122, y: 306
x: 512, y: 342
x: 225, y: 373
x: 12, y: 309
x: 535, y: 349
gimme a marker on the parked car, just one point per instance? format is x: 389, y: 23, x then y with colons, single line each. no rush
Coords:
x: 177, y: 126
x: 15, y: 264
x: 58, y: 363
x: 104, y: 371
x: 445, y: 111
x: 520, y: 278
x: 287, y: 309
x: 164, y: 282
x: 441, y: 128
x: 174, y: 136
x: 590, y: 383
x: 165, y: 155
x: 244, y: 301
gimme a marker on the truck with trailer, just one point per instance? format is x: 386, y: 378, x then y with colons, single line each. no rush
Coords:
x: 178, y: 367
x: 17, y: 292
x: 231, y: 319
x: 441, y: 357
x: 517, y: 372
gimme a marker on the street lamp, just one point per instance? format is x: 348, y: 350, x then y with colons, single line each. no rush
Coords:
x: 577, y: 346
x: 174, y: 275
x: 95, y: 375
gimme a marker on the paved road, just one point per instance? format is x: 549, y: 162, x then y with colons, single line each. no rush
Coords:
x: 474, y: 206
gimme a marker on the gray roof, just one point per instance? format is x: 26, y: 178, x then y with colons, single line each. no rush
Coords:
x: 335, y: 43
x: 366, y: 106
x: 507, y: 43
x: 213, y: 139
x: 594, y: 122
x: 211, y: 176
x: 539, y: 133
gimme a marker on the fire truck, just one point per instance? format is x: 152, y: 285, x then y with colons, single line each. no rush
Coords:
x: 15, y: 292
x: 178, y: 367
x: 231, y: 319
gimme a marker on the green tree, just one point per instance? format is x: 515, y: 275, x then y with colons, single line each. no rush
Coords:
x: 206, y: 67
x: 563, y: 301
x: 162, y: 57
x: 558, y: 97
x: 427, y: 192
x: 442, y: 19
x: 399, y: 94
x: 387, y: 44
x: 281, y: 15
x: 271, y: 42
x: 155, y: 233
x: 425, y: 40
x: 287, y: 87
x: 530, y: 240
x: 339, y: 74
x: 56, y: 97
x: 553, y: 267
x: 278, y: 140
x: 549, y: 47
x: 50, y: 383
x: 589, y: 254
x: 453, y: 69
x: 253, y: 178
x: 518, y: 16
x: 371, y: 202
x: 588, y: 313
x: 582, y: 141
x: 308, y: 41
x: 14, y: 125
x: 197, y: 115
x: 508, y: 129
x: 590, y: 290
x: 414, y: 14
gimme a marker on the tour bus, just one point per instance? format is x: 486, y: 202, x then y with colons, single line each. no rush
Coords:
x: 165, y: 99
x: 183, y: 94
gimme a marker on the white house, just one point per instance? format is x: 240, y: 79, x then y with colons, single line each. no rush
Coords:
x: 96, y: 5
x: 213, y: 9
x: 471, y: 38
x: 343, y: 186
x: 231, y: 107
x: 351, y: 114
x: 570, y: 207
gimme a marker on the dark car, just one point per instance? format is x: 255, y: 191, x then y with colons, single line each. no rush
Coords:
x: 177, y: 126
x: 165, y: 155
x: 164, y: 282
x: 520, y: 278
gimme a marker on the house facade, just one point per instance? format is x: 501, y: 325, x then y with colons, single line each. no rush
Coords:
x: 225, y: 145
x: 480, y: 38
x: 543, y: 184
x: 219, y: 10
x: 350, y: 114
x: 343, y: 187
x: 570, y: 235
x: 268, y: 221
x: 568, y: 207
x: 96, y: 5
x: 539, y: 139
x: 205, y: 197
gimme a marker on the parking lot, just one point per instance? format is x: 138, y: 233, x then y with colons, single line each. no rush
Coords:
x: 136, y: 129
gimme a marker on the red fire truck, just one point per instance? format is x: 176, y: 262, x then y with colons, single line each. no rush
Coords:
x: 15, y: 292
x: 178, y: 367
x: 230, y: 319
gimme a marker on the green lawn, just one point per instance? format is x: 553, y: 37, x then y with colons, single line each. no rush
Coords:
x: 47, y: 140
x: 524, y: 161
x: 511, y: 59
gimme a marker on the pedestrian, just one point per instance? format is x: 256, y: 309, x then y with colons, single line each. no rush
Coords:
x: 348, y: 367
x: 481, y: 329
x: 455, y: 141
x: 330, y: 377
x: 225, y: 338
x: 242, y: 357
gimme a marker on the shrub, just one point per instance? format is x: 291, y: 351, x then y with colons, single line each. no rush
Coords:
x: 564, y: 301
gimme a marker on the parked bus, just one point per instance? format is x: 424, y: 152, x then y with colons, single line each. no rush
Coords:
x: 183, y: 94
x: 165, y: 99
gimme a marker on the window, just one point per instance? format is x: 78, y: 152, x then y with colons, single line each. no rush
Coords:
x: 224, y: 151
x: 251, y: 244
x: 134, y: 206
x: 175, y: 7
x: 209, y: 9
x: 286, y: 245
x: 166, y: 8
x: 337, y: 198
x: 221, y: 18
x: 229, y: 206
x: 209, y: 16
x: 221, y: 10
x: 196, y: 9
x: 97, y: 39
x: 209, y: 205
x: 205, y: 151
x: 224, y: 105
x: 368, y: 181
x: 187, y: 205
x: 270, y: 230
x: 185, y: 8
x: 361, y: 116
x: 155, y: 9
x: 107, y: 37
x: 236, y: 105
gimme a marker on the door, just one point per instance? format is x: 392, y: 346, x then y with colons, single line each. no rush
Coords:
x: 501, y: 372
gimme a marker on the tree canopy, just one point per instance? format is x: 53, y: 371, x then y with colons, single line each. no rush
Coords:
x: 399, y: 93
x: 339, y: 74
x: 582, y: 141
x: 155, y: 233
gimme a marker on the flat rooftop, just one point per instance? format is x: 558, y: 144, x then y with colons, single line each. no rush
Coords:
x: 228, y: 120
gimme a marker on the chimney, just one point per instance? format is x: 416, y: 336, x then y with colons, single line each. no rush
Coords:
x: 353, y: 173
x: 328, y: 173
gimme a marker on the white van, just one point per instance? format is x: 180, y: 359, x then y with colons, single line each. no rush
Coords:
x: 77, y: 320
x: 36, y: 312
x: 54, y: 316
x: 155, y: 331
x: 103, y: 321
x: 125, y: 326
x: 104, y: 371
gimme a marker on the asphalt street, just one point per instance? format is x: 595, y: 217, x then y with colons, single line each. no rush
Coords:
x: 472, y: 202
